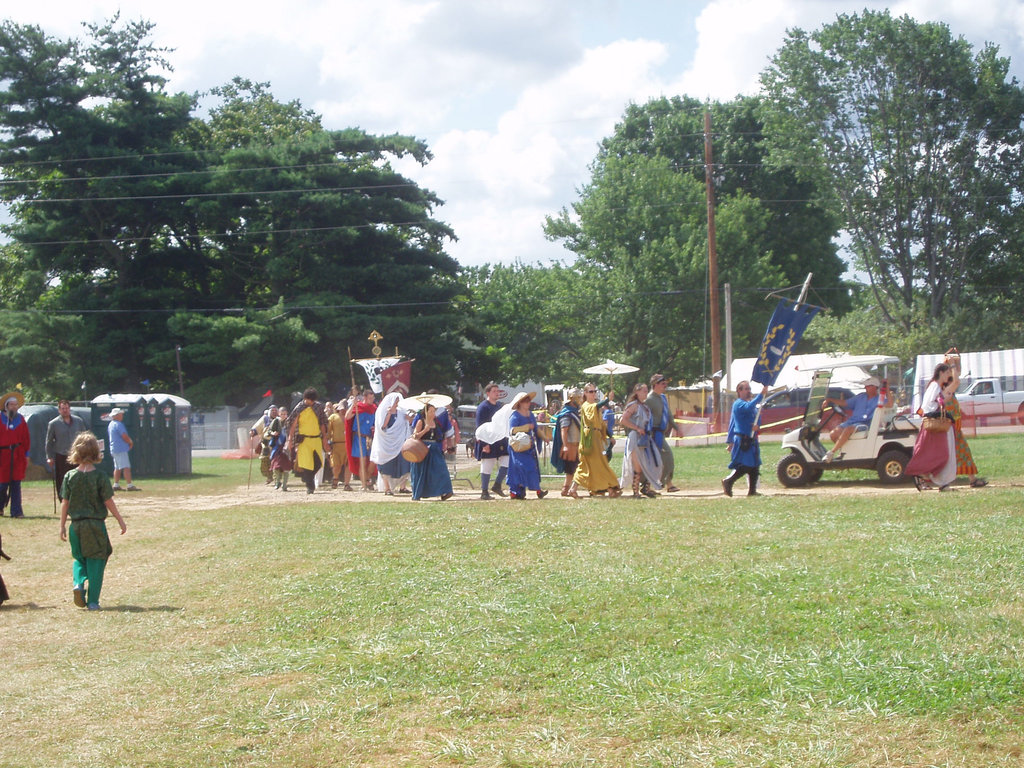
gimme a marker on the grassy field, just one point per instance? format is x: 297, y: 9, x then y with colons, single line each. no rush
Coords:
x: 853, y: 625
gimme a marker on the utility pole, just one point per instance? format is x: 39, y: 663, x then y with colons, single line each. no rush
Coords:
x: 716, y: 352
x: 181, y: 383
x: 729, y: 384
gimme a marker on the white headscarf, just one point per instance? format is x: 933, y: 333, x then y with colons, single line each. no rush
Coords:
x: 387, y: 441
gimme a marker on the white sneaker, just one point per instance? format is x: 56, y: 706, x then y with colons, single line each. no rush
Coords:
x: 828, y: 457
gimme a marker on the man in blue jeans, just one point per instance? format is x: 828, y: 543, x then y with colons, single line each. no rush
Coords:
x: 860, y: 409
x: 119, y: 444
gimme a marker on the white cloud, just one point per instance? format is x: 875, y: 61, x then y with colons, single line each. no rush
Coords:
x: 510, y: 99
x: 508, y: 179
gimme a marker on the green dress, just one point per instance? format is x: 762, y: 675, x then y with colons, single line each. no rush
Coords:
x: 87, y: 494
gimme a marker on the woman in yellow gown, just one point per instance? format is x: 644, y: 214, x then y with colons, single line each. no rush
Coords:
x: 594, y: 473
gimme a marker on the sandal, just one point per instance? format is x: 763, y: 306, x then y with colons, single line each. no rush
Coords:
x: 979, y: 482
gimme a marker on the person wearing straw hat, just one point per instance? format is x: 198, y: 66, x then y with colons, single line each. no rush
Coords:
x: 14, y: 446
x: 523, y: 466
x: 120, y: 443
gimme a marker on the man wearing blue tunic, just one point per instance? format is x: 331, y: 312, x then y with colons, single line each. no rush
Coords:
x: 490, y: 455
x: 742, y: 440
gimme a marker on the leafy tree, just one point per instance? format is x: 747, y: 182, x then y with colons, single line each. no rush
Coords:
x: 914, y: 142
x: 76, y: 122
x: 532, y: 320
x: 797, y: 231
x: 639, y: 231
x: 261, y: 243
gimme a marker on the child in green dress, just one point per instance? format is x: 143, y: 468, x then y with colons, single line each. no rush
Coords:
x: 88, y: 496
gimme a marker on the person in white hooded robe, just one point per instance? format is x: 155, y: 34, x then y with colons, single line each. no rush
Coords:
x: 391, y: 431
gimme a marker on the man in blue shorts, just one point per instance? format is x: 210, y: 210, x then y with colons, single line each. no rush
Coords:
x: 119, y: 443
x: 860, y: 409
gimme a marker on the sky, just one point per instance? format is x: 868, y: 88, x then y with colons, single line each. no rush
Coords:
x: 511, y: 96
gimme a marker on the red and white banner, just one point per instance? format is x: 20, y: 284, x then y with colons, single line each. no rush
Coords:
x: 397, y: 378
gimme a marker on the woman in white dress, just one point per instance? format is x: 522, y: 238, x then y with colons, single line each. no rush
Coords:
x: 641, y: 464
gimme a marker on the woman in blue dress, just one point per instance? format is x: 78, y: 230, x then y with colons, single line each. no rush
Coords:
x: 430, y: 477
x: 523, y: 467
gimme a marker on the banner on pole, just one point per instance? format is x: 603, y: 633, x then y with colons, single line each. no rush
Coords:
x: 397, y: 378
x: 374, y: 367
x: 787, y: 325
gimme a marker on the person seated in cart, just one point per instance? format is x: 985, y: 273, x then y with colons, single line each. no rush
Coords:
x: 860, y: 409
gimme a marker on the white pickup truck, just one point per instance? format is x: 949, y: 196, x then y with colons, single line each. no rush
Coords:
x: 979, y: 398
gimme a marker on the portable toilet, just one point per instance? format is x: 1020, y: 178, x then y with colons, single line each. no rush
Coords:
x: 175, y: 414
x: 38, y: 418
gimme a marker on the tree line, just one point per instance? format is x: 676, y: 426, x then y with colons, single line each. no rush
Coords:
x: 264, y: 246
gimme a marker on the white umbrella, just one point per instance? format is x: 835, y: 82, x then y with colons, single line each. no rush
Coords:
x: 611, y: 368
x: 417, y: 402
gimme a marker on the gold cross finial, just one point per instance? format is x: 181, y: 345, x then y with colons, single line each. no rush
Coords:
x: 375, y: 337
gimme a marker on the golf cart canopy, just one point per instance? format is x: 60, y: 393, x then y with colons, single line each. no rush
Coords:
x: 853, y: 369
x: 852, y: 361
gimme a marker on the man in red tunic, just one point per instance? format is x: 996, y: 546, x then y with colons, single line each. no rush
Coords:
x: 14, y: 445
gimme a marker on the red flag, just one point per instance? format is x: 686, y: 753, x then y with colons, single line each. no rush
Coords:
x: 269, y: 393
x: 397, y: 378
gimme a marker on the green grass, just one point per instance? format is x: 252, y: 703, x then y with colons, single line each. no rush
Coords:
x: 835, y: 628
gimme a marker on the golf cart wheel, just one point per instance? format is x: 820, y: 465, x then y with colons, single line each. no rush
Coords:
x: 792, y: 471
x: 892, y: 467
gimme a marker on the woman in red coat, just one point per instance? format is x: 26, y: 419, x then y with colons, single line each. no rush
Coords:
x: 14, y: 445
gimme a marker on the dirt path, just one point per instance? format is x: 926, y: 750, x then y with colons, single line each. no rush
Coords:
x: 264, y: 496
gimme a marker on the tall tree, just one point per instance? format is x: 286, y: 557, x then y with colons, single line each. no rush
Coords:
x: 798, y: 232
x: 914, y: 141
x: 640, y: 232
x: 253, y: 234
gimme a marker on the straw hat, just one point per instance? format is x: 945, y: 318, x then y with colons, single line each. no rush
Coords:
x: 16, y: 395
x: 520, y: 397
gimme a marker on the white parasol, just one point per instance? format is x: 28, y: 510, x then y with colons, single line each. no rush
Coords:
x: 417, y: 403
x: 611, y: 368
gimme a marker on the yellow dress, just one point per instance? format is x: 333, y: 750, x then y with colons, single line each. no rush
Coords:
x: 594, y: 473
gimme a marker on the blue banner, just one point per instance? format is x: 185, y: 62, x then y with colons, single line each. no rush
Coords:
x: 784, y: 331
